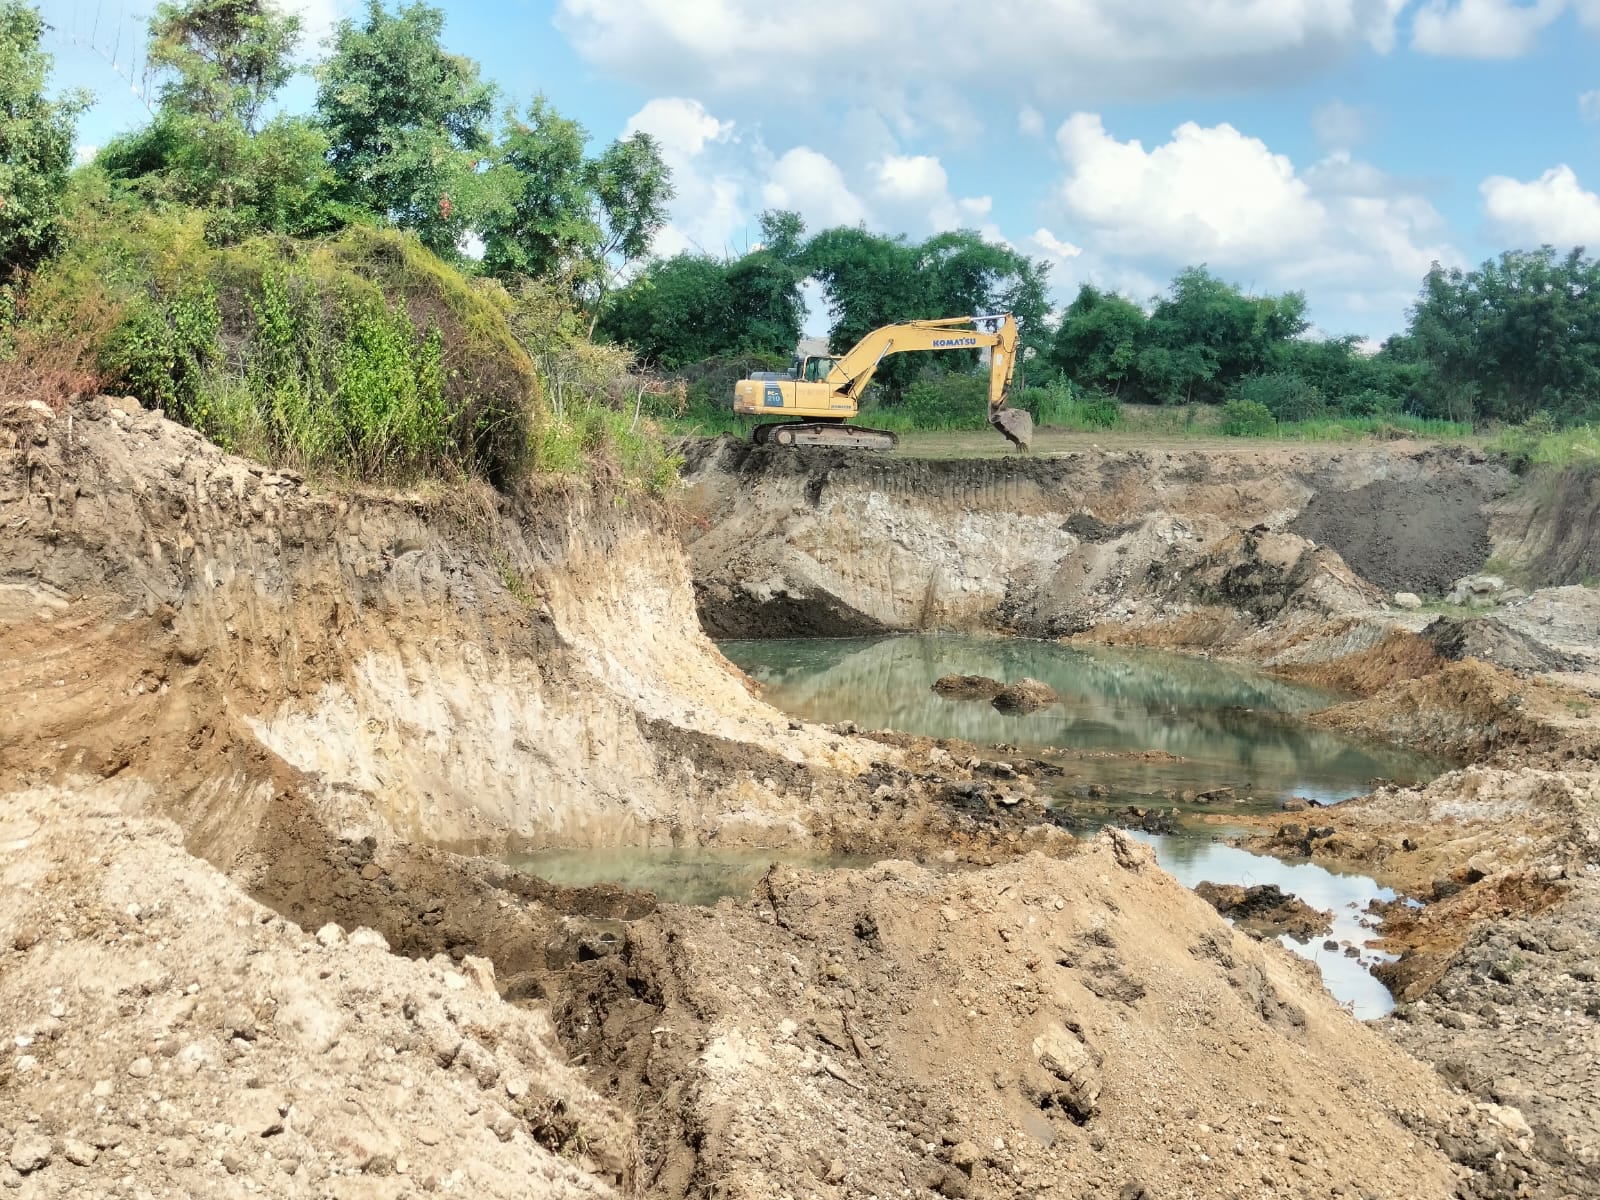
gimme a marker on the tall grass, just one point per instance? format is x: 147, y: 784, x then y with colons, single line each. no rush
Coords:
x: 362, y: 355
x: 1536, y: 443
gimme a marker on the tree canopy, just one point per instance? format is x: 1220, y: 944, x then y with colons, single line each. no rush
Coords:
x: 36, y: 135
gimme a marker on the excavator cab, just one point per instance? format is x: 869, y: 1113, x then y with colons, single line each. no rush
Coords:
x: 813, y: 369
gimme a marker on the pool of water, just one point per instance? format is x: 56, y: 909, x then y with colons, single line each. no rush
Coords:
x: 1192, y: 861
x: 1131, y: 728
x: 677, y: 876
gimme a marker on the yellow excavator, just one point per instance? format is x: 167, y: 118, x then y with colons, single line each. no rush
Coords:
x: 819, y: 395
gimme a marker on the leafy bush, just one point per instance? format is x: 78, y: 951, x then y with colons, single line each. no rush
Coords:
x: 1247, y: 418
x: 1060, y: 405
x: 1288, y: 397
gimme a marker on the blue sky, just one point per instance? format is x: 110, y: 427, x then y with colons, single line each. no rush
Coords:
x: 1336, y: 146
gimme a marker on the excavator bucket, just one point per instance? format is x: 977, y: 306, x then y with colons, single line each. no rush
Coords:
x: 1016, y: 424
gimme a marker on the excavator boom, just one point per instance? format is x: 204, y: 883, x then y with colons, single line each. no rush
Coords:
x: 823, y: 400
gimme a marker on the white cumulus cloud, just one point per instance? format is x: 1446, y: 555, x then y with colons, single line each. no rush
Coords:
x: 1482, y: 28
x: 812, y: 184
x: 683, y: 127
x: 1342, y: 230
x: 1209, y: 194
x: 1554, y: 208
x: 1144, y: 47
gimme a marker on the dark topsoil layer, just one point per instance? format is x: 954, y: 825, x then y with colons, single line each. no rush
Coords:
x: 1418, y: 536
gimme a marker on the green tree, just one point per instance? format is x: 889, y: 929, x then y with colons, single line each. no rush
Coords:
x: 1211, y: 335
x: 36, y: 136
x: 222, y: 62
x: 632, y: 188
x: 1097, y: 343
x: 1518, y: 335
x: 408, y: 124
x: 546, y: 225
x: 224, y: 59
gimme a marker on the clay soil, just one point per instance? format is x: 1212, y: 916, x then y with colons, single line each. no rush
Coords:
x: 264, y: 740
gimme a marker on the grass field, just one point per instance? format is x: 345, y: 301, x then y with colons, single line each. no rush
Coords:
x: 1139, y: 427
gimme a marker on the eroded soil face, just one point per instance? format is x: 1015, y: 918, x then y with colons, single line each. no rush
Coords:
x: 350, y: 703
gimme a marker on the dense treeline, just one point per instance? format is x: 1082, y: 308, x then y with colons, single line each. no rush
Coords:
x: 303, y: 287
x: 409, y: 277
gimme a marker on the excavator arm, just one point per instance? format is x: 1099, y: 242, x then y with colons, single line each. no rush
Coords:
x: 998, y: 334
x: 824, y: 405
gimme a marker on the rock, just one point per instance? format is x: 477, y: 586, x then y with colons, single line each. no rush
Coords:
x: 1265, y: 910
x: 239, y: 1022
x: 480, y: 971
x: 79, y: 1152
x: 1481, y: 591
x: 1025, y: 695
x: 965, y: 1155
x: 1062, y: 1053
x: 1409, y: 600
x: 968, y: 687
x: 28, y: 1153
x: 835, y: 1173
x: 330, y: 935
x: 362, y: 936
x: 371, y: 872
x: 141, y: 1068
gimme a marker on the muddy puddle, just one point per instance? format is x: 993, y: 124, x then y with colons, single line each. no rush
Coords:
x: 1184, y: 738
x: 1139, y: 728
x: 677, y: 876
x: 1194, y: 860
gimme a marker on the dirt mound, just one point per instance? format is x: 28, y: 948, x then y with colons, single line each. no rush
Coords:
x: 1468, y: 709
x: 164, y: 1029
x: 1264, y: 910
x: 1081, y: 1028
x: 1493, y: 641
x: 1416, y: 535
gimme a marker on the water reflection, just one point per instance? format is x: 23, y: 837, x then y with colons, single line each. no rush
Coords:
x: 1194, y: 725
x: 685, y: 876
x: 1191, y: 861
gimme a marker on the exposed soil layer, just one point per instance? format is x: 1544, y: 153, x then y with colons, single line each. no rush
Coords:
x: 1550, y: 528
x: 1415, y: 535
x: 1082, y: 1027
x: 792, y: 542
x: 325, y: 689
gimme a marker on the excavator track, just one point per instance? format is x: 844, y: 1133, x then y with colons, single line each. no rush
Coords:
x: 824, y: 433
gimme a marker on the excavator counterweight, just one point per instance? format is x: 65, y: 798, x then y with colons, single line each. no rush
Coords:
x: 819, y: 395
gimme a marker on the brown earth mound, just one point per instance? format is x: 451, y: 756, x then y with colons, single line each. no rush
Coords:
x: 1077, y: 1028
x: 1418, y: 535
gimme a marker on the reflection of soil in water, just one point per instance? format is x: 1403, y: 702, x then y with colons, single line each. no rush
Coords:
x: 1131, y: 727
x: 1192, y: 860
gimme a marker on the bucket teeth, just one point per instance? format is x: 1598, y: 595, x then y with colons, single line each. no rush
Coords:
x: 1016, y: 424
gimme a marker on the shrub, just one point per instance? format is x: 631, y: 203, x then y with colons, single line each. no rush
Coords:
x: 1285, y: 395
x: 1247, y: 418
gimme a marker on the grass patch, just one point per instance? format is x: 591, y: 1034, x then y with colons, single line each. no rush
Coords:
x: 1537, y: 443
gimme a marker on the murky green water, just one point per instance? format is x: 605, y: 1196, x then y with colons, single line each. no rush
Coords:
x: 698, y: 875
x: 1132, y: 727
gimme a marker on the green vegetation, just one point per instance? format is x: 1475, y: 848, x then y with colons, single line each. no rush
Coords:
x: 299, y: 287
x: 294, y: 288
x: 35, y: 145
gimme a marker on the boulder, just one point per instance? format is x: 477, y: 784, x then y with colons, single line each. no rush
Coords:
x: 1477, y: 591
x: 1025, y: 695
x: 968, y: 687
x: 1409, y: 600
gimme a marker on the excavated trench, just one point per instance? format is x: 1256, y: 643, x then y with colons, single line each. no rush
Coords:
x: 368, y: 709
